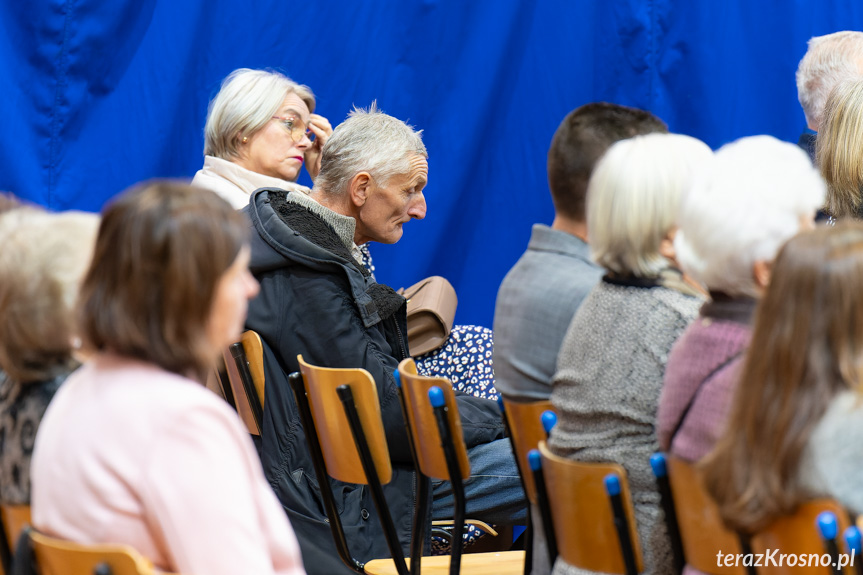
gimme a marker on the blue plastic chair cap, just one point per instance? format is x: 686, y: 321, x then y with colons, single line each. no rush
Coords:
x: 657, y: 463
x: 436, y: 396
x: 612, y: 484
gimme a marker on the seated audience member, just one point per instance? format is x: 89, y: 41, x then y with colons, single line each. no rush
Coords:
x: 740, y: 209
x: 840, y: 150
x: 257, y: 135
x: 754, y: 195
x: 133, y: 449
x: 318, y: 300
x: 611, y: 363
x: 795, y: 430
x: 43, y: 259
x: 829, y: 60
x: 540, y: 294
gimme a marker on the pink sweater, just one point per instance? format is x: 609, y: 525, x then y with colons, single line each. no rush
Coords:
x: 129, y: 453
x: 702, y: 373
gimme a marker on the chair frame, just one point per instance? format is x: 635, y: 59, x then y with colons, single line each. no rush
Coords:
x: 666, y: 467
x: 298, y: 385
x: 454, y: 455
x: 105, y: 559
x: 621, y: 510
x: 244, y: 393
x: 521, y: 436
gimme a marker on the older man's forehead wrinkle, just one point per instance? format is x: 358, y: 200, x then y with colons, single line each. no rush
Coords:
x: 418, y: 169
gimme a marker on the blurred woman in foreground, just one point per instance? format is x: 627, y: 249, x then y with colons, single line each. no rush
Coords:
x: 133, y: 449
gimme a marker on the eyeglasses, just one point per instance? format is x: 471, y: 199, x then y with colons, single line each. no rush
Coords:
x: 296, y: 127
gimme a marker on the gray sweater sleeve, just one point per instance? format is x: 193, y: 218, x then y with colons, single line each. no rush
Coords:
x: 832, y: 463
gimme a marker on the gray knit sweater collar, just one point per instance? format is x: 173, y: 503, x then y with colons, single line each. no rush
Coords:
x: 344, y: 226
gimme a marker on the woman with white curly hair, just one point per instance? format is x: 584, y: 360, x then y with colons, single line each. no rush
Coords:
x: 741, y: 208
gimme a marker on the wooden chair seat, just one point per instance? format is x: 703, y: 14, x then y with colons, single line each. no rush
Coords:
x: 502, y: 563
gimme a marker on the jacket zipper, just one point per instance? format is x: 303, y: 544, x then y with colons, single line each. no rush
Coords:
x: 401, y: 338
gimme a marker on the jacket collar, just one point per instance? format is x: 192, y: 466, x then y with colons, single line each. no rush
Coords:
x: 290, y: 232
x: 544, y: 238
x: 721, y: 306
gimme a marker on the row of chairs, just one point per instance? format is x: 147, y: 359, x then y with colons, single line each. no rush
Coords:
x: 335, y: 404
x: 610, y: 543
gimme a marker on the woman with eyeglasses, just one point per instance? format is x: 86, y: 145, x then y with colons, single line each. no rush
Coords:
x: 260, y: 131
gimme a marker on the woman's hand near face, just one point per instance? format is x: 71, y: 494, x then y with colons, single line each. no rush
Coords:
x: 322, y: 129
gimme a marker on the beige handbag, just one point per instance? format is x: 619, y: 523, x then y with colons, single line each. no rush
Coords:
x: 431, y: 312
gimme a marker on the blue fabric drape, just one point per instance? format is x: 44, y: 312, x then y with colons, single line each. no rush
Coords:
x: 100, y: 95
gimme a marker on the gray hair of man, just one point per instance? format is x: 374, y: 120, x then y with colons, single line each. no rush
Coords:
x: 633, y: 199
x: 829, y: 60
x: 368, y: 141
x: 247, y: 100
x: 741, y: 207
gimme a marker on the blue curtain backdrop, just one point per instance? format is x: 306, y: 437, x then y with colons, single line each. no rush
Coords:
x: 100, y: 95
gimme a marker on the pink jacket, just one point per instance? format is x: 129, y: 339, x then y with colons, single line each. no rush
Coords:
x: 129, y: 453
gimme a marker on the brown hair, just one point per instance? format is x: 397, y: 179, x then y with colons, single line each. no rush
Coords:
x: 43, y: 258
x: 807, y: 346
x: 161, y: 250
x: 581, y: 140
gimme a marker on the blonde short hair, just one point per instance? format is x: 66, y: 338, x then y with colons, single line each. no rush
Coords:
x: 247, y: 100
x: 839, y: 149
x: 830, y: 59
x: 633, y: 199
x: 42, y: 263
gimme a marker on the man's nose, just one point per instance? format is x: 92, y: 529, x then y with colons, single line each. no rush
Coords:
x: 418, y: 208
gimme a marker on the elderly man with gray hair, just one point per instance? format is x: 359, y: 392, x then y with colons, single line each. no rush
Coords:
x: 318, y: 300
x: 829, y: 60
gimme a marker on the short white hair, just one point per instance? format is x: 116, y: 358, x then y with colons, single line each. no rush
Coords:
x: 247, y: 100
x: 829, y: 60
x: 368, y: 141
x: 633, y: 199
x: 742, y: 206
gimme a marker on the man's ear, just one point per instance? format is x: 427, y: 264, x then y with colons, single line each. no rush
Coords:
x: 360, y: 188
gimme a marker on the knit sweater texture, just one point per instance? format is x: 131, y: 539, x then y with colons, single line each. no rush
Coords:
x: 606, y: 389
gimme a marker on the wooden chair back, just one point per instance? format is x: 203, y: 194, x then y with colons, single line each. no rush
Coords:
x: 334, y: 433
x: 243, y: 361
x: 58, y: 557
x: 15, y: 518
x: 423, y: 426
x: 701, y: 528
x: 526, y: 431
x: 577, y: 490
x: 798, y: 534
